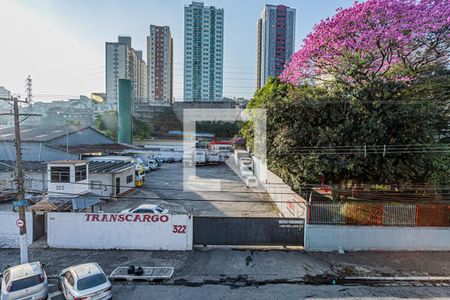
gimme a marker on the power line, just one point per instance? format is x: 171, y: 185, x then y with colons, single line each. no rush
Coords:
x: 150, y: 189
x: 175, y: 199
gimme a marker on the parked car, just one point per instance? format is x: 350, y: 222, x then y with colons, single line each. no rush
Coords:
x: 86, y: 281
x: 146, y: 209
x: 153, y: 165
x: 27, y: 281
x: 159, y: 161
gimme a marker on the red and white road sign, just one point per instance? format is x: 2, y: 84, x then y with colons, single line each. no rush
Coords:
x: 20, y: 223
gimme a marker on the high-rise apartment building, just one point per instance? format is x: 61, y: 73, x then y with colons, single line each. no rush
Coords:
x: 141, y: 93
x: 203, y: 53
x: 275, y: 41
x: 160, y: 64
x: 123, y: 62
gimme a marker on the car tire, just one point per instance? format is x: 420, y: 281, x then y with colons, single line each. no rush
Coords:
x: 139, y: 271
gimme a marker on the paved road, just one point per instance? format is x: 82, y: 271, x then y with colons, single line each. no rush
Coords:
x: 278, y: 291
x: 232, y: 270
x: 167, y: 183
x: 270, y: 291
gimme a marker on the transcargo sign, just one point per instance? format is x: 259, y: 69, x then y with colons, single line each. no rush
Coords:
x: 152, y: 218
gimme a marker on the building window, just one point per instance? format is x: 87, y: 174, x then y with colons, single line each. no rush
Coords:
x: 60, y: 174
x: 129, y: 178
x: 96, y: 185
x: 80, y: 173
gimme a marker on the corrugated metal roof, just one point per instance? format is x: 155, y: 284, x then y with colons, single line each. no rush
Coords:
x: 94, y: 166
x: 66, y: 204
x: 94, y: 148
x: 108, y: 166
x: 42, y: 133
x: 30, y: 166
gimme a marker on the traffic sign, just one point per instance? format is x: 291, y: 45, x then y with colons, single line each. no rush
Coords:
x: 20, y: 223
x: 20, y: 203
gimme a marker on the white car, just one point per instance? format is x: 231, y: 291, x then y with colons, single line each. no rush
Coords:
x: 86, y: 281
x: 27, y: 281
x: 152, y: 164
x: 146, y: 209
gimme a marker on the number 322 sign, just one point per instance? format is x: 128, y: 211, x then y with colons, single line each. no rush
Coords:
x: 179, y: 229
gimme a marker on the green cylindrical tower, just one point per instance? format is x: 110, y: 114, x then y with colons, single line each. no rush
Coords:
x: 125, y: 118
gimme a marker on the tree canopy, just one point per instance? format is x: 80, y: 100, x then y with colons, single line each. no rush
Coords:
x: 365, y: 100
x: 392, y: 39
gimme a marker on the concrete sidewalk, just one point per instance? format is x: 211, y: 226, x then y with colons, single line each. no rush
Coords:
x: 222, y: 265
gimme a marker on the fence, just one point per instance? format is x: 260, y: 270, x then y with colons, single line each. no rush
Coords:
x: 376, y: 214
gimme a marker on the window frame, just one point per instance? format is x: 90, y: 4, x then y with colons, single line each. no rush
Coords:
x: 60, y: 173
x: 96, y: 185
x: 80, y: 174
x: 128, y: 180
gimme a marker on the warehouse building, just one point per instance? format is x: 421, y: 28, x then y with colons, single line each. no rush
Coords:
x: 50, y: 143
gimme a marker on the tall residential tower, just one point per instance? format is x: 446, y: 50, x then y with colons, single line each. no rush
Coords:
x: 203, y: 53
x: 160, y: 64
x: 123, y: 62
x: 275, y: 41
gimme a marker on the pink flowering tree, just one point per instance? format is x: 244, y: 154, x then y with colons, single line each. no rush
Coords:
x: 387, y: 39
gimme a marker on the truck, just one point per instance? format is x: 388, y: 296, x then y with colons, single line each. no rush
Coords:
x: 213, y: 158
x: 200, y: 157
x: 224, y: 148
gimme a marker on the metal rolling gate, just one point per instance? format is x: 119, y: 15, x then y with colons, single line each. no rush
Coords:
x: 248, y: 231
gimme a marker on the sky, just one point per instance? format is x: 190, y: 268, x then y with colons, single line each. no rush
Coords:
x: 61, y: 43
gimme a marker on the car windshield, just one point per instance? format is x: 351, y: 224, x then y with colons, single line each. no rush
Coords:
x: 159, y: 209
x: 25, y: 283
x: 91, y: 281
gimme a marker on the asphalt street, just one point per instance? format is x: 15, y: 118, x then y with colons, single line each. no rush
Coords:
x: 278, y: 291
x: 249, y: 274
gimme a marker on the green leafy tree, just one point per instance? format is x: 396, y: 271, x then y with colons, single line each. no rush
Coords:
x: 107, y: 123
x: 310, y: 126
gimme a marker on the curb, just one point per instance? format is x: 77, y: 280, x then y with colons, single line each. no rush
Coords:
x: 399, y: 278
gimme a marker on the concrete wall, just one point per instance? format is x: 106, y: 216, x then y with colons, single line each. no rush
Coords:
x: 354, y: 238
x: 9, y: 232
x: 82, y: 231
x: 124, y: 186
x: 108, y: 183
x: 106, y: 188
x: 287, y: 201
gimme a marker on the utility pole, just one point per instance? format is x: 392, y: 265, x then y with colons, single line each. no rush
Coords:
x: 21, y: 222
x: 20, y: 185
